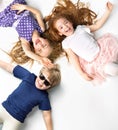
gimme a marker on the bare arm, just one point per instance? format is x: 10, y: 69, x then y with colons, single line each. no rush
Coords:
x: 26, y: 47
x: 48, y: 120
x: 74, y: 60
x: 34, y: 11
x: 100, y: 22
x: 7, y: 66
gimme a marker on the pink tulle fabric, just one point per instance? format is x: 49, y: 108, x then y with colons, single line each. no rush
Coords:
x: 108, y: 53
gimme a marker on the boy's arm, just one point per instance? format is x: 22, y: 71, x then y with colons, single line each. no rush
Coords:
x: 48, y: 120
x: 100, y: 22
x: 7, y: 66
x: 34, y: 11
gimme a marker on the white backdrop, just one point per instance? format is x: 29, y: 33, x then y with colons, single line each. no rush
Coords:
x: 76, y: 103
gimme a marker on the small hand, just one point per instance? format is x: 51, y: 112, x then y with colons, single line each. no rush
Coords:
x: 109, y: 6
x: 19, y: 7
x: 47, y: 62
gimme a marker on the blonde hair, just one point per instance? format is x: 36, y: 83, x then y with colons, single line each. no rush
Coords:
x: 54, y: 74
x: 18, y: 55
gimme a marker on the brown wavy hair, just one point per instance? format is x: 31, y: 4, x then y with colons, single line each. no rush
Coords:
x: 18, y: 55
x: 78, y: 13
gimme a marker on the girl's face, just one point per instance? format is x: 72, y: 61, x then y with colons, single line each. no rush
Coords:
x: 42, y: 81
x: 42, y: 46
x: 64, y: 27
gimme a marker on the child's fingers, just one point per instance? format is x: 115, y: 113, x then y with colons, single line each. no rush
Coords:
x: 109, y: 5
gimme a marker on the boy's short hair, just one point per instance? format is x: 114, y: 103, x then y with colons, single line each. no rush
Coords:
x: 54, y: 74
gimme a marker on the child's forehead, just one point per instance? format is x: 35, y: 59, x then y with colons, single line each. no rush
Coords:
x: 47, y: 74
x: 62, y: 18
x: 45, y: 70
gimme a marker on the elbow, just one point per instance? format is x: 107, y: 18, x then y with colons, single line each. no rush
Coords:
x: 43, y: 29
x: 97, y: 27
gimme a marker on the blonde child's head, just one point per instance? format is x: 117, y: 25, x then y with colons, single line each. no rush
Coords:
x: 54, y: 74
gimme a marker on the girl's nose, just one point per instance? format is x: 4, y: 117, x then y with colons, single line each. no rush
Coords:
x: 65, y: 27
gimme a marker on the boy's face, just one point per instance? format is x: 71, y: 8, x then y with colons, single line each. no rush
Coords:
x: 42, y: 81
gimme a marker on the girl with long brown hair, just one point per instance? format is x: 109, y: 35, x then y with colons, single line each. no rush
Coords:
x: 73, y: 25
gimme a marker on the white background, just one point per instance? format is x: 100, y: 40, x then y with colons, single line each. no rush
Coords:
x: 76, y: 103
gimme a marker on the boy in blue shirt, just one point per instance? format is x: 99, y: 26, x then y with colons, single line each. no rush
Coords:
x: 31, y: 92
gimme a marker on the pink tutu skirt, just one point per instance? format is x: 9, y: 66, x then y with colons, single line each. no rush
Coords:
x: 108, y: 53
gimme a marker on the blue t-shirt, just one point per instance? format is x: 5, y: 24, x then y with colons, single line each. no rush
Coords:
x: 26, y: 96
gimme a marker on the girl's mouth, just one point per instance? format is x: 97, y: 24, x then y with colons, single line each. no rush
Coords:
x: 37, y: 41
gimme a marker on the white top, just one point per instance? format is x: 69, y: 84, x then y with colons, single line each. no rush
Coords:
x: 82, y: 43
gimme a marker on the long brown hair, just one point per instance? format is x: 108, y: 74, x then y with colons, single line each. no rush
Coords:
x: 78, y: 13
x: 18, y: 55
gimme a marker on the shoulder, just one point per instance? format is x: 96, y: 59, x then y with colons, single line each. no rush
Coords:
x: 45, y: 102
x: 82, y: 28
x: 19, y: 68
x: 20, y: 72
